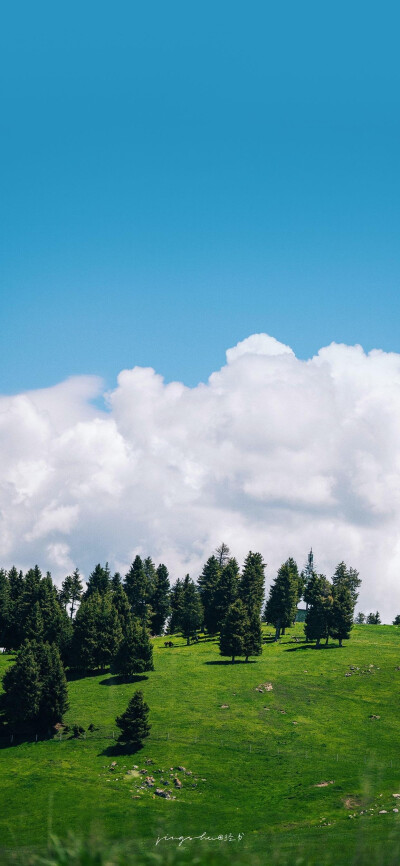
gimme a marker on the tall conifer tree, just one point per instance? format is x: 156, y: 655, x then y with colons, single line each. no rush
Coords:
x: 234, y: 631
x: 251, y: 583
x: 281, y: 606
x: 208, y: 585
x: 160, y: 600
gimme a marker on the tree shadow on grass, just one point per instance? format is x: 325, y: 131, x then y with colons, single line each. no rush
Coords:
x: 122, y: 681
x: 309, y: 646
x: 229, y: 662
x: 10, y: 738
x: 120, y: 749
x: 78, y: 674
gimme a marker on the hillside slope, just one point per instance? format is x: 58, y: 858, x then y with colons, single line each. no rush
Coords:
x: 309, y: 765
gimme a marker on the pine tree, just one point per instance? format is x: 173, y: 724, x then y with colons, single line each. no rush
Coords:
x: 150, y: 572
x: 341, y: 616
x: 176, y: 607
x: 192, y: 610
x: 396, y: 620
x: 227, y: 590
x: 349, y: 577
x: 99, y: 581
x: 160, y: 600
x: 116, y: 580
x: 319, y: 599
x: 234, y: 631
x: 33, y: 627
x: 374, y: 618
x: 281, y: 606
x: 360, y: 619
x: 27, y: 602
x: 133, y: 722
x: 71, y: 591
x: 306, y: 576
x: 22, y: 688
x: 135, y: 653
x: 5, y: 608
x: 208, y: 585
x: 110, y: 632
x: 138, y: 588
x: 14, y: 637
x: 54, y: 691
x: 84, y: 649
x: 97, y: 633
x: 120, y: 601
x: 251, y: 584
x: 253, y: 636
x: 56, y: 624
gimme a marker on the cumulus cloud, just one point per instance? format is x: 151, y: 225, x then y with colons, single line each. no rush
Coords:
x: 273, y: 453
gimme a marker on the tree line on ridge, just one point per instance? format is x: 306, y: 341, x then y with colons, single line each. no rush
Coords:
x: 109, y: 623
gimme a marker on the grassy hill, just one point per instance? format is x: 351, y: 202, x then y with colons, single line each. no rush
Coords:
x: 305, y: 770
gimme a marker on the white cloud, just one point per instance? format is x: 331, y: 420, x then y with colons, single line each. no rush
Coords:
x: 273, y: 453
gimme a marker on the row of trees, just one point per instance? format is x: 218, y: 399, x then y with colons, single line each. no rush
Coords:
x: 329, y: 603
x: 35, y: 687
x: 111, y: 611
x: 371, y: 619
x: 109, y: 623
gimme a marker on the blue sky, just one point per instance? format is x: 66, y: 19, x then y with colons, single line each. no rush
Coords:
x: 175, y: 177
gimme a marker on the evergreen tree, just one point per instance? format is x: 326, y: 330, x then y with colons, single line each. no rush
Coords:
x: 306, y: 576
x: 97, y: 633
x: 349, y: 577
x: 109, y: 630
x: 208, y: 585
x: 16, y: 583
x: 135, y: 653
x: 37, y: 612
x: 86, y: 634
x: 360, y: 618
x: 251, y: 583
x: 192, y: 612
x: 121, y: 603
x: 396, y: 620
x: 5, y: 608
x: 133, y: 723
x: 234, y: 631
x: 116, y: 580
x: 160, y: 600
x: 342, y: 611
x: 319, y: 599
x: 54, y: 691
x: 71, y: 591
x: 138, y: 587
x: 33, y: 626
x: 281, y: 606
x: 150, y: 572
x: 22, y: 688
x: 13, y: 636
x: 55, y: 619
x: 35, y: 687
x: 99, y: 581
x: 374, y: 618
x: 176, y: 607
x: 253, y: 636
x: 227, y: 590
x: 28, y: 599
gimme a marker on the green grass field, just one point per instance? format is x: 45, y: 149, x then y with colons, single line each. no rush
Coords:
x: 257, y: 764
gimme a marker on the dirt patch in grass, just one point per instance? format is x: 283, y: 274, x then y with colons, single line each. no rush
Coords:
x: 324, y: 784
x: 352, y: 802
